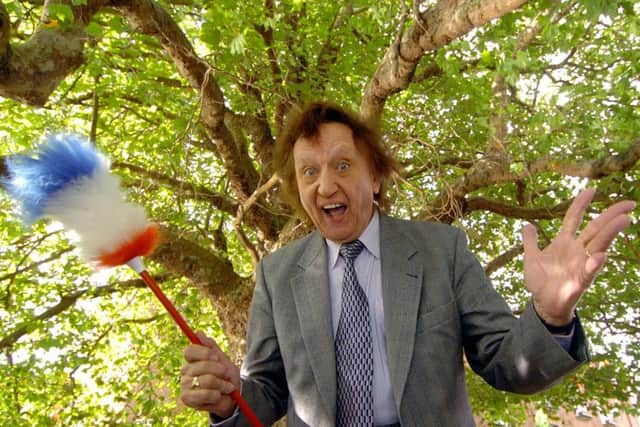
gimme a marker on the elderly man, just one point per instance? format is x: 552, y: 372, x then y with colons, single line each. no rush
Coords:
x: 364, y: 322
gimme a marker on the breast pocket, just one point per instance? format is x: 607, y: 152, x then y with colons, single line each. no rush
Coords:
x: 437, y: 317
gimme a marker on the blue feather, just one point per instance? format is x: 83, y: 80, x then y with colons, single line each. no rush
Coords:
x: 57, y: 163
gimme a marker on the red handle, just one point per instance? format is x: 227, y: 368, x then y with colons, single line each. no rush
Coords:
x: 235, y: 395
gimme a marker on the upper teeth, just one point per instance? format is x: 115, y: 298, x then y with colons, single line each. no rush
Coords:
x: 335, y: 205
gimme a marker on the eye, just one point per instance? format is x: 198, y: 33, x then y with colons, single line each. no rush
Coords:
x: 343, y: 166
x: 308, y: 171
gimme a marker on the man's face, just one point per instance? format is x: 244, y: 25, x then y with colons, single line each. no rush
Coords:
x: 336, y: 182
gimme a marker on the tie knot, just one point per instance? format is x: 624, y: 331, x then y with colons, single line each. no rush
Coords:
x: 350, y: 251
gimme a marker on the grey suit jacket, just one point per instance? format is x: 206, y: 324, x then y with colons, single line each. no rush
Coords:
x: 437, y: 303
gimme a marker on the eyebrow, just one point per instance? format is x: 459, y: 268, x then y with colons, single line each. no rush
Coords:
x: 343, y: 150
x: 304, y: 160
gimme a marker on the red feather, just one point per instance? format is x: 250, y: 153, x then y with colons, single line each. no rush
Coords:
x: 141, y: 244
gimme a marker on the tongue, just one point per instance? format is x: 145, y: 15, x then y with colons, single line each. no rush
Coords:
x: 334, y: 212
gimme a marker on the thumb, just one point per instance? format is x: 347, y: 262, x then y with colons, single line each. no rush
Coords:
x: 207, y: 342
x: 530, y: 239
x: 217, y: 351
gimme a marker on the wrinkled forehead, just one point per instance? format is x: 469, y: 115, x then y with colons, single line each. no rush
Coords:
x: 333, y: 136
x: 328, y: 130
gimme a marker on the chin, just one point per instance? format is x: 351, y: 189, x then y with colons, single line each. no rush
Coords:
x: 339, y: 238
x: 336, y: 234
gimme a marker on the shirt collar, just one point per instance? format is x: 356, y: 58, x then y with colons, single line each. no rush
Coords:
x: 370, y: 238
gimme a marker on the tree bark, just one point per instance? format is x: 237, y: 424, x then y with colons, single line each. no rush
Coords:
x: 214, y: 276
x: 31, y: 71
x: 440, y: 24
x: 450, y: 205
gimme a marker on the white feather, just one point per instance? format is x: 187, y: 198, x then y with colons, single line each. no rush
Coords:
x: 95, y: 208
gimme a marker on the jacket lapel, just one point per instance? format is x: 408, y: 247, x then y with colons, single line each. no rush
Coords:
x: 313, y: 304
x: 401, y: 292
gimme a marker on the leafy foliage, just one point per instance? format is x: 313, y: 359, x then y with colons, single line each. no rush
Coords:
x: 498, y: 126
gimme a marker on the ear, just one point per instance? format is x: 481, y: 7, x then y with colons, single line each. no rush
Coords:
x: 377, y: 182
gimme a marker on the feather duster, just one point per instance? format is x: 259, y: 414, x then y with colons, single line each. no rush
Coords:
x: 67, y: 179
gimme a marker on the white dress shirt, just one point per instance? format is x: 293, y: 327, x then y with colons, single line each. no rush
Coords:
x: 368, y: 267
x: 369, y: 272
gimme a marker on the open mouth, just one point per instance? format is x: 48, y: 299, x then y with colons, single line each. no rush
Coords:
x: 334, y: 210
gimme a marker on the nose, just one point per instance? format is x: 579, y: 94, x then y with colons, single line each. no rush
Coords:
x: 327, y: 184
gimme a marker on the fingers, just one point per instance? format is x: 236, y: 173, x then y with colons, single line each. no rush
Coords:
x: 603, y: 237
x: 575, y: 213
x: 204, y: 367
x: 208, y: 351
x: 197, y: 353
x: 210, y: 391
x: 202, y: 397
x: 612, y: 214
x: 207, y: 341
x: 207, y: 382
x: 216, y: 375
x: 213, y: 368
x: 207, y: 399
x: 593, y: 266
x: 529, y: 239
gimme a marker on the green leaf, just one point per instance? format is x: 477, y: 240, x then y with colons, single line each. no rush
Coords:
x: 94, y: 29
x: 237, y: 46
x: 114, y: 357
x: 61, y: 12
x: 211, y: 35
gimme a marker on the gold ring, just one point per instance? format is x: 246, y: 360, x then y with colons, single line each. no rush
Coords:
x: 587, y: 253
x: 195, y: 382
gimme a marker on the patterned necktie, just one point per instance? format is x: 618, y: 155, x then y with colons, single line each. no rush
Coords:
x: 354, y: 350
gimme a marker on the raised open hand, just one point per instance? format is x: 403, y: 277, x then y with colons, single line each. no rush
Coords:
x: 558, y: 275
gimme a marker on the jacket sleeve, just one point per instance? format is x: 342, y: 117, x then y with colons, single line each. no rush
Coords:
x: 263, y: 379
x: 516, y: 354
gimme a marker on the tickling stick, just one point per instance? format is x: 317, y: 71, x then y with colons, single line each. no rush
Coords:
x: 136, y: 264
x: 68, y: 180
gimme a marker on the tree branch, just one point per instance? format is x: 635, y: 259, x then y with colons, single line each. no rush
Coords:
x: 440, y: 24
x: 267, y: 37
x: 50, y: 258
x: 328, y: 55
x: 257, y: 127
x: 5, y: 35
x: 195, y: 192
x: 255, y: 254
x: 256, y: 216
x: 409, y: 170
x: 95, y: 111
x: 503, y: 259
x: 67, y: 301
x: 31, y: 71
x: 497, y: 155
x: 214, y: 276
x: 149, y: 18
x: 449, y: 205
x: 209, y: 272
x: 274, y: 64
x: 510, y: 211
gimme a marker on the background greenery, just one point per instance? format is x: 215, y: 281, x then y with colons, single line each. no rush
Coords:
x: 495, y: 121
